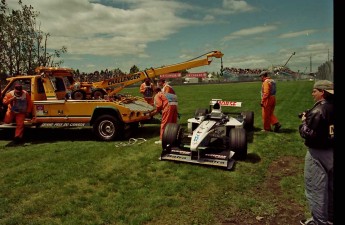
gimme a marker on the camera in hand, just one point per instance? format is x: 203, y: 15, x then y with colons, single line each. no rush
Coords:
x: 300, y: 115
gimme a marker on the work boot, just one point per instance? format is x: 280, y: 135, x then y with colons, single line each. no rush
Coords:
x: 18, y: 140
x: 277, y: 126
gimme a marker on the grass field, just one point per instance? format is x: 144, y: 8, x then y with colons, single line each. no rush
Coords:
x: 66, y: 177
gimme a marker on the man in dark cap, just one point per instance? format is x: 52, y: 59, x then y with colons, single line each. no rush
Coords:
x: 19, y: 105
x: 268, y: 102
x: 147, y: 89
x: 317, y: 130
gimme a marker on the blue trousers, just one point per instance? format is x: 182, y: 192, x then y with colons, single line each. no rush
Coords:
x: 318, y: 177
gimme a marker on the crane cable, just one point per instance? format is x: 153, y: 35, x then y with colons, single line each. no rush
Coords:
x: 221, y: 61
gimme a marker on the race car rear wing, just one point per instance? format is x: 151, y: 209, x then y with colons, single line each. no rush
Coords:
x: 225, y: 103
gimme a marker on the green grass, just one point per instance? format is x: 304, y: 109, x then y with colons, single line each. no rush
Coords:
x: 66, y: 177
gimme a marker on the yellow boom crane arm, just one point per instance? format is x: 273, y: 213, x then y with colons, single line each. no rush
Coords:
x: 119, y: 83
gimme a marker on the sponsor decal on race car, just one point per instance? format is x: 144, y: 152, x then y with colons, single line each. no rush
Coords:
x: 230, y: 103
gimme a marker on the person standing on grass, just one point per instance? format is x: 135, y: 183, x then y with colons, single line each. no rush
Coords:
x: 167, y: 104
x: 19, y: 105
x: 165, y: 87
x: 268, y: 103
x: 317, y: 130
x: 147, y: 90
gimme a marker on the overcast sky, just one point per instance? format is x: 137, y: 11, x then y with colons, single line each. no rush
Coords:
x: 109, y: 34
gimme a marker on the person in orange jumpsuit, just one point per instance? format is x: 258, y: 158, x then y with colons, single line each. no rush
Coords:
x: 268, y: 102
x: 19, y: 105
x: 167, y: 104
x: 166, y: 88
x: 147, y: 89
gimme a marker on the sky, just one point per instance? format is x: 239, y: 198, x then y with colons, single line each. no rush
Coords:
x: 110, y: 34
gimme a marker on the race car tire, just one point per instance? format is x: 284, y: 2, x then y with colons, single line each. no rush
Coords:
x: 238, y: 143
x: 108, y: 128
x: 172, y: 136
x: 78, y: 95
x: 248, y: 120
x: 200, y: 112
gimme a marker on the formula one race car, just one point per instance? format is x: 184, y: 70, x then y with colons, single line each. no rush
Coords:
x: 213, y: 137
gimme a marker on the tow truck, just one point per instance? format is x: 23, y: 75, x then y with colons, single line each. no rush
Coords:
x: 109, y: 116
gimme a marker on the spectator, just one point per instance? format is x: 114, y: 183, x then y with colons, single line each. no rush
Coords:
x: 317, y: 129
x: 19, y: 106
x: 167, y: 104
x: 268, y: 103
x: 147, y: 89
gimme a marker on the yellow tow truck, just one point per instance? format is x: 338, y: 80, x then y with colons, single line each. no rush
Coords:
x: 108, y: 116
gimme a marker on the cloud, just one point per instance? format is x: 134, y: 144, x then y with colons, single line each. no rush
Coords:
x: 233, y: 7
x: 297, y: 34
x: 94, y: 28
x: 249, y: 32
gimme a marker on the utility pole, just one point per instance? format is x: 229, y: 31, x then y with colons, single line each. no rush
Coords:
x: 310, y: 64
x: 289, y: 58
x: 328, y: 55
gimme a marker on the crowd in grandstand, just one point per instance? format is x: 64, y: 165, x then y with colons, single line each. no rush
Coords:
x: 240, y: 71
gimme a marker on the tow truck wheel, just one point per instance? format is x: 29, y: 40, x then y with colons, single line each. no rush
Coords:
x: 107, y: 128
x: 238, y: 143
x: 98, y: 94
x: 248, y: 120
x: 172, y: 136
x: 78, y: 95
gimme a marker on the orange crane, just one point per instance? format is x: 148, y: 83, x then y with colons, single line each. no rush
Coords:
x: 110, y: 87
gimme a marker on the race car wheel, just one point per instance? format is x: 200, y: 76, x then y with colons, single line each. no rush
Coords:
x: 200, y: 112
x: 172, y: 136
x: 238, y: 143
x: 248, y: 120
x: 98, y: 94
x: 108, y: 128
x: 78, y: 95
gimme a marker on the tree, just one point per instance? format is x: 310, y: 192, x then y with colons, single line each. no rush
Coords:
x: 134, y: 69
x: 23, y: 46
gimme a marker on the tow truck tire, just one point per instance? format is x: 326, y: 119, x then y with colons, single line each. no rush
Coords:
x: 238, y: 143
x: 78, y: 95
x: 98, y: 94
x: 172, y: 136
x: 108, y: 128
x: 248, y: 120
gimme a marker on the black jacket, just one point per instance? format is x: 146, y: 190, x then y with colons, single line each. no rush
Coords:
x: 318, y: 127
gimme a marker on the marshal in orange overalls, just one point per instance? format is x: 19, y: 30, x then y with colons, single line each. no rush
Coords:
x: 19, y: 104
x: 147, y: 89
x: 167, y: 104
x: 268, y: 103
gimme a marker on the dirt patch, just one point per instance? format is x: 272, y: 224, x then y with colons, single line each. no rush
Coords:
x: 288, y: 211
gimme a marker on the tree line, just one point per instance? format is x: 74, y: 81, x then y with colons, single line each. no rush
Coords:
x: 23, y: 45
